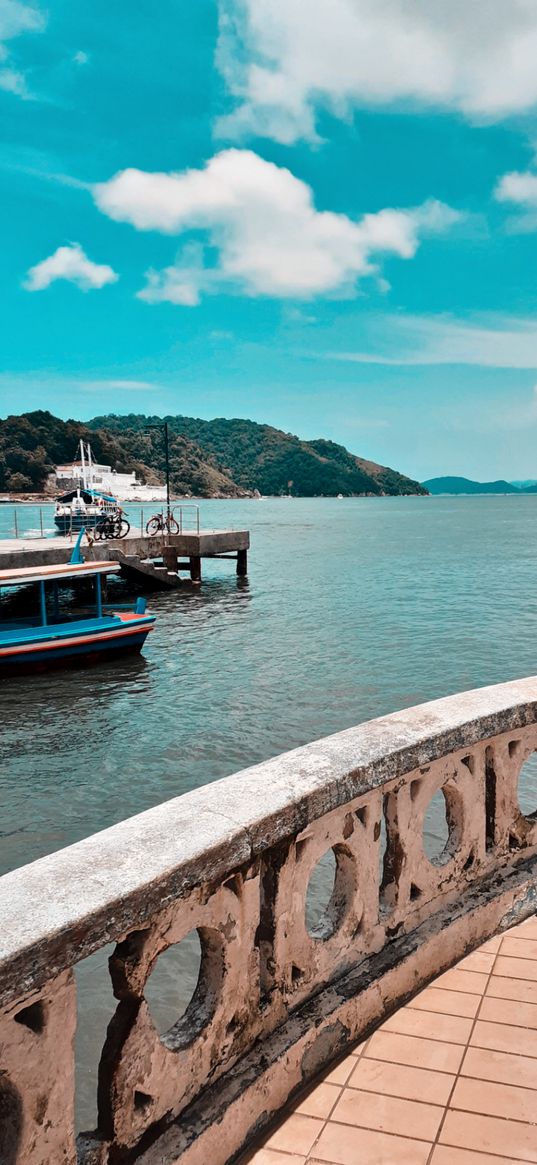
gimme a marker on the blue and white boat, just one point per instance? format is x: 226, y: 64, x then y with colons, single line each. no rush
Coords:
x: 84, y: 506
x: 48, y: 639
x: 82, y: 509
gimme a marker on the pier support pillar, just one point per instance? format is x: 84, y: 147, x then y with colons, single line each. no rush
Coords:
x: 195, y: 568
x: 169, y: 558
x: 242, y: 563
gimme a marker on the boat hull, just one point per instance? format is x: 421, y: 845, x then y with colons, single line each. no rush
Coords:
x: 82, y: 649
x: 75, y: 522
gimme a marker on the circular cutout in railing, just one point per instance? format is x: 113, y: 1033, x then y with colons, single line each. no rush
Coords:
x: 436, y: 830
x: 527, y: 787
x: 322, y: 914
x: 173, y: 983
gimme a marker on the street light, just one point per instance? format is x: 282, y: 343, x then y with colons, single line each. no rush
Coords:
x: 167, y: 464
x: 167, y: 456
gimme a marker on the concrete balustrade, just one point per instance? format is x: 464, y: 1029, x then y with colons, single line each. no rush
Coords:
x: 276, y: 1000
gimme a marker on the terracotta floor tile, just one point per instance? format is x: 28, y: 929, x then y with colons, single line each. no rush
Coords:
x: 402, y: 1080
x: 506, y: 988
x: 516, y: 968
x: 270, y: 1157
x: 492, y: 945
x: 492, y: 1099
x: 527, y: 929
x: 446, y: 1002
x: 398, y: 1049
x: 509, y: 1011
x: 504, y: 1038
x: 340, y: 1074
x: 447, y: 1155
x: 519, y: 948
x: 473, y: 982
x: 296, y: 1135
x: 388, y: 1114
x: 488, y: 1134
x: 319, y: 1101
x: 477, y: 962
x: 450, y: 1029
x: 344, y: 1145
x: 485, y: 1064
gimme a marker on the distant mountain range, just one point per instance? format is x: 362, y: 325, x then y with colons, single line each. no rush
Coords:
x: 464, y: 485
x: 220, y: 458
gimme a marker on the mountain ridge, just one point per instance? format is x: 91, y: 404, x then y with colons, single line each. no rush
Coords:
x: 218, y: 458
x: 458, y: 486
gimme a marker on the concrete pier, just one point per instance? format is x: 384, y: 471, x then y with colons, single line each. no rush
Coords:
x: 154, y: 561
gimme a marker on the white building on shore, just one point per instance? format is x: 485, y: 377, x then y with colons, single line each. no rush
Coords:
x: 87, y: 473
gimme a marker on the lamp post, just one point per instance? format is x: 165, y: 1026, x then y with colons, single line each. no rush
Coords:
x: 167, y: 464
x: 167, y: 456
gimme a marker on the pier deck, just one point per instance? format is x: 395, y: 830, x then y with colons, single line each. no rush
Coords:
x: 154, y: 561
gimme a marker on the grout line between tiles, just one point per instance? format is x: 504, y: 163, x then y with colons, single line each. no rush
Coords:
x: 467, y: 1045
x: 327, y: 1120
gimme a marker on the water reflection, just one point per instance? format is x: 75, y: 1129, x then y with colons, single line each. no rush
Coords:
x: 351, y: 609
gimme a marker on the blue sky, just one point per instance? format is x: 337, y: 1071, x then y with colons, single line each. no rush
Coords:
x: 322, y: 216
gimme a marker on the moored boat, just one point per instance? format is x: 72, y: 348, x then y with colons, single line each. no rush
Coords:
x: 49, y: 639
x: 85, y: 505
x: 82, y: 509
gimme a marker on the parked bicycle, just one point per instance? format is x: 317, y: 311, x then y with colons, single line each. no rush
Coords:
x: 112, y: 526
x: 162, y: 524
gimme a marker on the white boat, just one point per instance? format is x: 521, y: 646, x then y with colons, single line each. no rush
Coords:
x: 85, y: 505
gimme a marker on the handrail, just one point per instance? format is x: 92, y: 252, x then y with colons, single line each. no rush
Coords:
x: 275, y: 1002
x: 187, y: 506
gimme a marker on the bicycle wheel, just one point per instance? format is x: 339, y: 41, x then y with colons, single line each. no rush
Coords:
x: 124, y: 528
x: 173, y: 526
x: 153, y: 526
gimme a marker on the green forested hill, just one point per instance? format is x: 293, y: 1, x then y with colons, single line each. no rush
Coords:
x: 464, y: 485
x: 207, y: 458
x: 259, y: 457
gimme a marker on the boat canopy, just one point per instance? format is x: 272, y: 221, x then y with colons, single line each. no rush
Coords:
x: 87, y: 495
x: 38, y: 574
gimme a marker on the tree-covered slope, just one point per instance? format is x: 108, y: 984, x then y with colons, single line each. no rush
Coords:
x: 208, y: 458
x: 464, y: 485
x: 32, y: 444
x: 259, y: 457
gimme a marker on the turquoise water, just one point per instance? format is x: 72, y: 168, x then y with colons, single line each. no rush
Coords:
x: 351, y: 609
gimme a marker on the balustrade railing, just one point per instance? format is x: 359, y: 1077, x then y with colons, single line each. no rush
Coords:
x: 277, y: 998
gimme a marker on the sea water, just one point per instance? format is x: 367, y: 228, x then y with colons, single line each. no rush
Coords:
x: 352, y: 608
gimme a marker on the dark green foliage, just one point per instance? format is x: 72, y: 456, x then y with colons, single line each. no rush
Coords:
x: 263, y: 458
x: 463, y: 485
x: 207, y: 458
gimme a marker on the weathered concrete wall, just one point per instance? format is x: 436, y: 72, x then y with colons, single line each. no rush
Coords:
x: 15, y: 553
x: 275, y: 1001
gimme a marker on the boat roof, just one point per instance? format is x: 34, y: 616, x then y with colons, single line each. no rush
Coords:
x: 34, y: 574
x: 86, y: 495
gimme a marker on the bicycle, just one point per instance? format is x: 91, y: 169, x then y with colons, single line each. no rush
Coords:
x: 112, y: 526
x: 161, y: 524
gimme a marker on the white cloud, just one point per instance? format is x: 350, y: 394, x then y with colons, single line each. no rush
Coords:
x: 261, y: 219
x: 283, y: 59
x: 118, y: 385
x: 72, y: 264
x: 492, y: 342
x: 81, y: 58
x: 182, y: 283
x: 16, y: 18
x: 517, y: 187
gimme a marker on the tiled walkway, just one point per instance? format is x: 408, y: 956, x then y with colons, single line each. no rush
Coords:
x: 450, y: 1079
